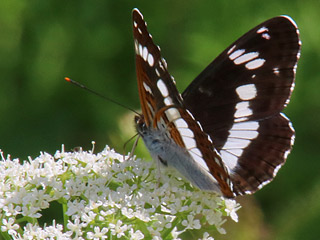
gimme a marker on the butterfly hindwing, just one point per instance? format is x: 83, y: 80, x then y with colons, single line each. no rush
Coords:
x: 244, y: 89
x: 256, y: 162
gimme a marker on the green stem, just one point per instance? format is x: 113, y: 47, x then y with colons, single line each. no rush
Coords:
x: 65, y: 216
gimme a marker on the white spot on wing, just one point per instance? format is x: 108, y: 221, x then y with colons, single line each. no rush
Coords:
x: 291, y: 89
x: 180, y: 123
x: 231, y: 49
x: 242, y: 110
x: 168, y: 101
x: 240, y: 137
x: 146, y: 87
x: 144, y: 53
x: 186, y: 132
x: 251, y: 125
x: 136, y: 46
x: 236, y: 143
x: 199, y: 124
x: 157, y: 72
x: 172, y: 114
x: 236, y: 54
x: 276, y: 71
x: 254, y: 64
x: 135, y: 24
x: 290, y: 126
x: 190, y: 114
x: 196, y: 151
x: 150, y: 60
x: 237, y: 152
x: 189, y: 142
x: 140, y: 50
x: 262, y: 30
x: 247, y: 92
x: 277, y: 168
x: 164, y: 62
x: 246, y: 57
x: 230, y: 160
x: 292, y: 138
x: 266, y: 36
x: 264, y: 183
x: 243, y: 134
x: 162, y: 88
x: 162, y: 66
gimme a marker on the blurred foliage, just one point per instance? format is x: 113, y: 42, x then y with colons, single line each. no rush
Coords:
x: 41, y: 42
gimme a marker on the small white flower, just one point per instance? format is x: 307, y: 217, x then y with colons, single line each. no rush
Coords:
x: 9, y: 226
x: 128, y: 212
x: 231, y: 207
x: 191, y: 223
x: 135, y: 235
x: 98, y: 234
x: 75, y: 227
x: 99, y: 190
x: 88, y: 217
x: 118, y: 229
x: 11, y: 210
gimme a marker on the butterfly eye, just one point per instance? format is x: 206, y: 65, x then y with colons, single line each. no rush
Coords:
x: 140, y: 123
x: 137, y: 119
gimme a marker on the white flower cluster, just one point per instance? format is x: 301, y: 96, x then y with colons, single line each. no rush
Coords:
x: 103, y: 196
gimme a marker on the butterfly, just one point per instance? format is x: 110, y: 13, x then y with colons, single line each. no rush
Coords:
x: 225, y: 133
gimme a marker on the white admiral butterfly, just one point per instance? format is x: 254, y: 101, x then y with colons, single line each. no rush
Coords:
x: 225, y: 132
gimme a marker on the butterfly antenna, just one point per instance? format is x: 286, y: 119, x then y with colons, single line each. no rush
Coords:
x: 99, y: 95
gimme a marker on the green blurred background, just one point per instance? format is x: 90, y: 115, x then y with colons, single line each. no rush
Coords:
x: 41, y: 42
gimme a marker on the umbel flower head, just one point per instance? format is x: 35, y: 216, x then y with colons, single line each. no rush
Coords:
x: 104, y: 196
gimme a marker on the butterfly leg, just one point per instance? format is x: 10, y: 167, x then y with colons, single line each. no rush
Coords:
x: 133, y: 149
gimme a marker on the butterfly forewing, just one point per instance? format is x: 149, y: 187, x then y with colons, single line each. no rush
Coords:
x: 157, y: 90
x: 163, y: 109
x: 227, y: 123
x: 156, y: 86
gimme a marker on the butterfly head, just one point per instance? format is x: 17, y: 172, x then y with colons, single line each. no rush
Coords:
x: 140, y: 124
